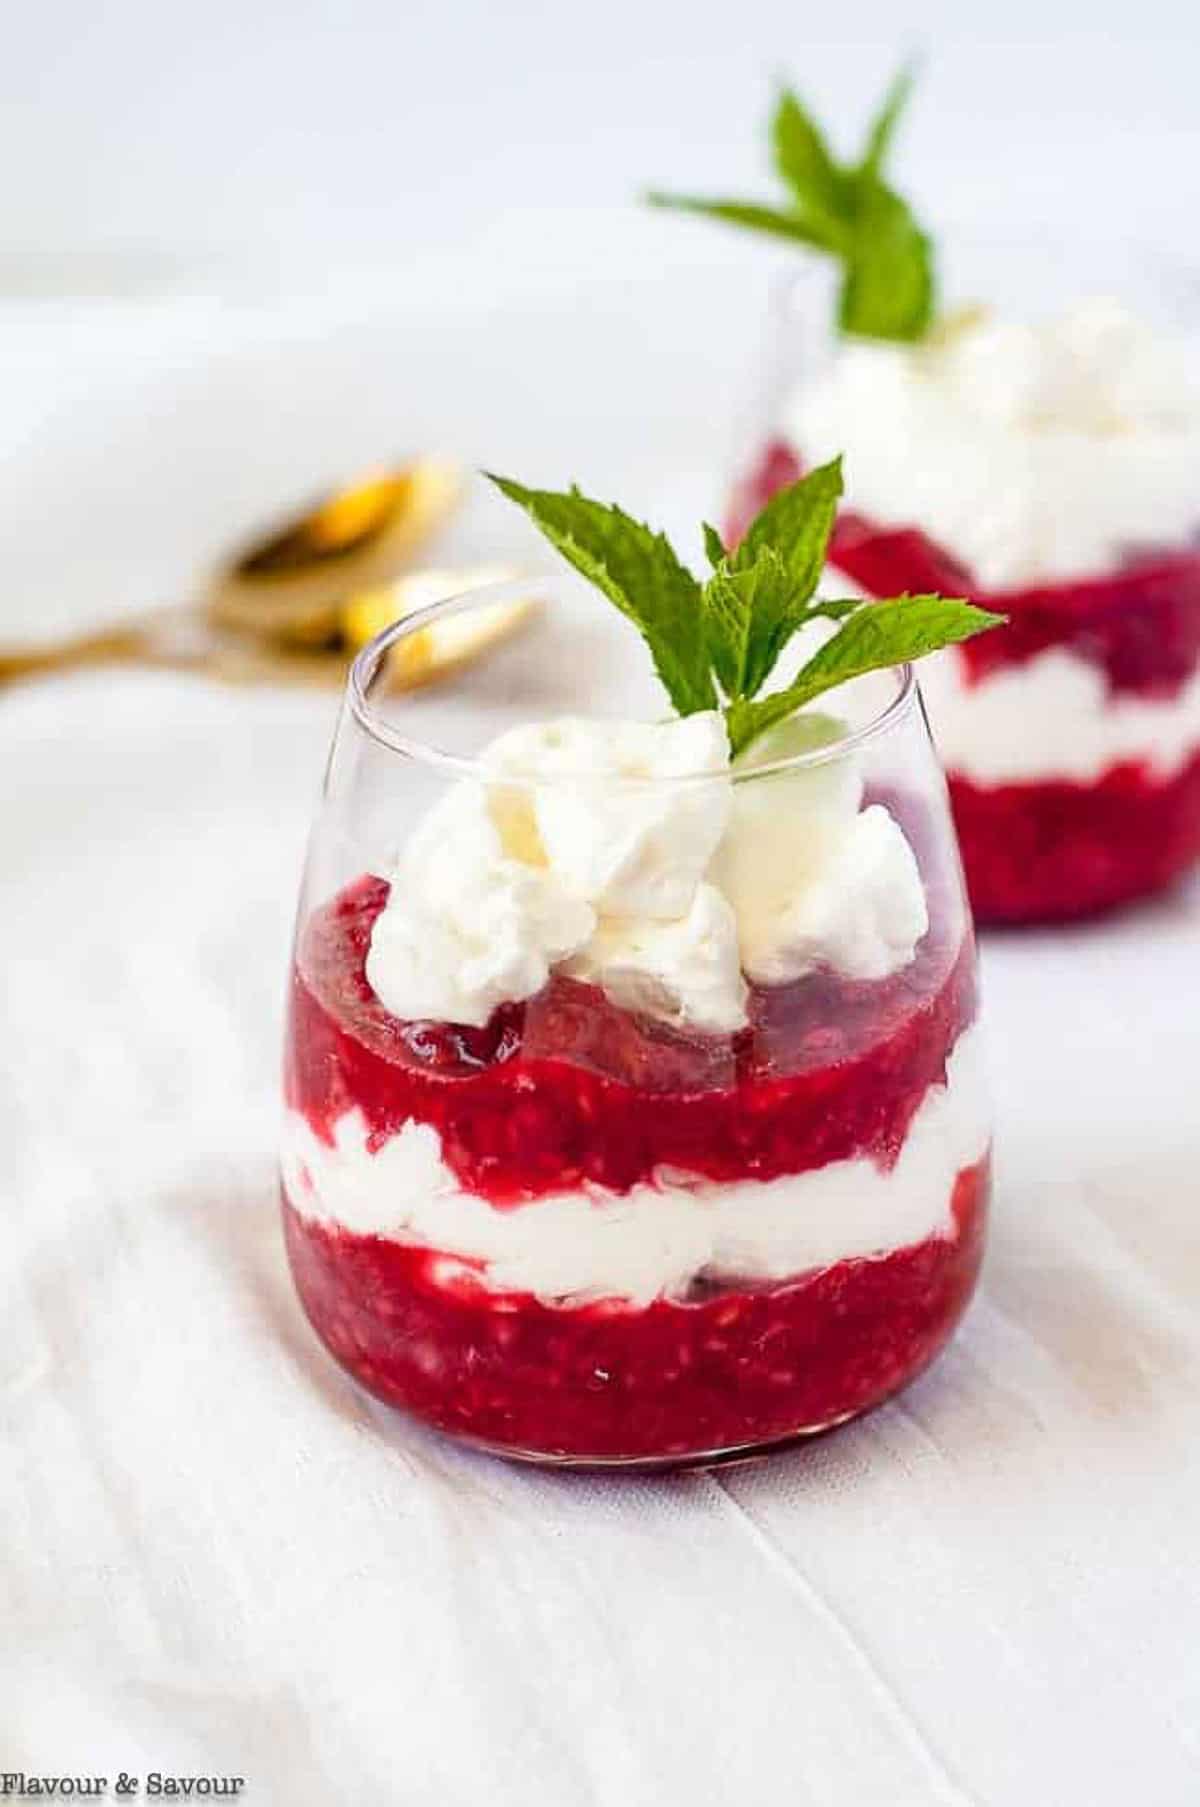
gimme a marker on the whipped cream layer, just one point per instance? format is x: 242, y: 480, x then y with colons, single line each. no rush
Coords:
x: 1033, y: 453
x: 635, y: 856
x: 1053, y: 717
x: 655, y: 1240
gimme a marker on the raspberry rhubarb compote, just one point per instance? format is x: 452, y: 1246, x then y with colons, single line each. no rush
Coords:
x: 633, y: 1100
x: 1048, y: 470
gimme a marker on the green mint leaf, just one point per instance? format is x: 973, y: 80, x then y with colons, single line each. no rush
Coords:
x: 727, y: 605
x: 804, y: 161
x: 849, y: 212
x: 797, y: 523
x: 871, y: 638
x: 883, y: 126
x: 887, y: 290
x: 638, y: 572
x: 714, y: 545
x: 749, y: 612
x: 893, y: 632
x: 778, y: 221
x: 760, y: 595
x: 835, y: 610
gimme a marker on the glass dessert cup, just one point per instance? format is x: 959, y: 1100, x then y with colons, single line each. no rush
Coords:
x: 582, y: 1232
x: 1071, y: 737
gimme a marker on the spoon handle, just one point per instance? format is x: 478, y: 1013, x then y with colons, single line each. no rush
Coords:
x: 178, y: 639
x: 108, y: 646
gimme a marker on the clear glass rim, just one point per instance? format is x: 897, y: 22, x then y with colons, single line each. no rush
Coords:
x: 369, y: 660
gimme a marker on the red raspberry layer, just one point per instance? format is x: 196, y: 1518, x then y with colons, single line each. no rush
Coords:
x: 1048, y: 851
x: 745, y: 1367
x: 568, y: 1090
x: 1051, y: 852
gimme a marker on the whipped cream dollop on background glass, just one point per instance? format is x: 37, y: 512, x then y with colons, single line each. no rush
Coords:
x: 1033, y: 453
x: 625, y: 854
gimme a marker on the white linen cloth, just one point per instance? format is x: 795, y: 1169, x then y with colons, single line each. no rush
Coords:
x: 219, y: 1557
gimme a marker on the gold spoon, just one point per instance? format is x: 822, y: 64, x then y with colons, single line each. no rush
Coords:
x: 435, y: 651
x: 291, y: 584
x: 296, y: 603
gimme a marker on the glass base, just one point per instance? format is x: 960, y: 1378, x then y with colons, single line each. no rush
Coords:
x: 738, y: 1457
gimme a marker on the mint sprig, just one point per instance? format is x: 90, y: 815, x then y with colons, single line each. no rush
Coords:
x: 849, y: 212
x: 715, y: 644
x: 638, y: 571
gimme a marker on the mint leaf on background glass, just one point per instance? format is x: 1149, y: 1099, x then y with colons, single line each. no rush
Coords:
x: 887, y: 290
x: 804, y: 161
x: 848, y: 211
x: 715, y: 644
x: 883, y: 126
x: 777, y: 221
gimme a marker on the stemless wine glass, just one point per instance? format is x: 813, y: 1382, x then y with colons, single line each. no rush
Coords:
x: 583, y: 1232
x: 1071, y: 737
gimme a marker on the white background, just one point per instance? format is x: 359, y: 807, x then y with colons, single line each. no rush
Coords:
x: 291, y: 133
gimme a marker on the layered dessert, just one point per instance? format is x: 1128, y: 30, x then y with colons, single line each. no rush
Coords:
x: 1055, y: 481
x: 633, y: 1106
x: 574, y: 1178
x: 1048, y: 471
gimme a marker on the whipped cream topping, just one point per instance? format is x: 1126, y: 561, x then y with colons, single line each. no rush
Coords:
x: 1053, y: 717
x: 655, y: 1240
x: 1033, y: 453
x: 468, y: 925
x: 629, y: 846
x: 814, y: 879
x: 586, y: 850
x: 683, y: 971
